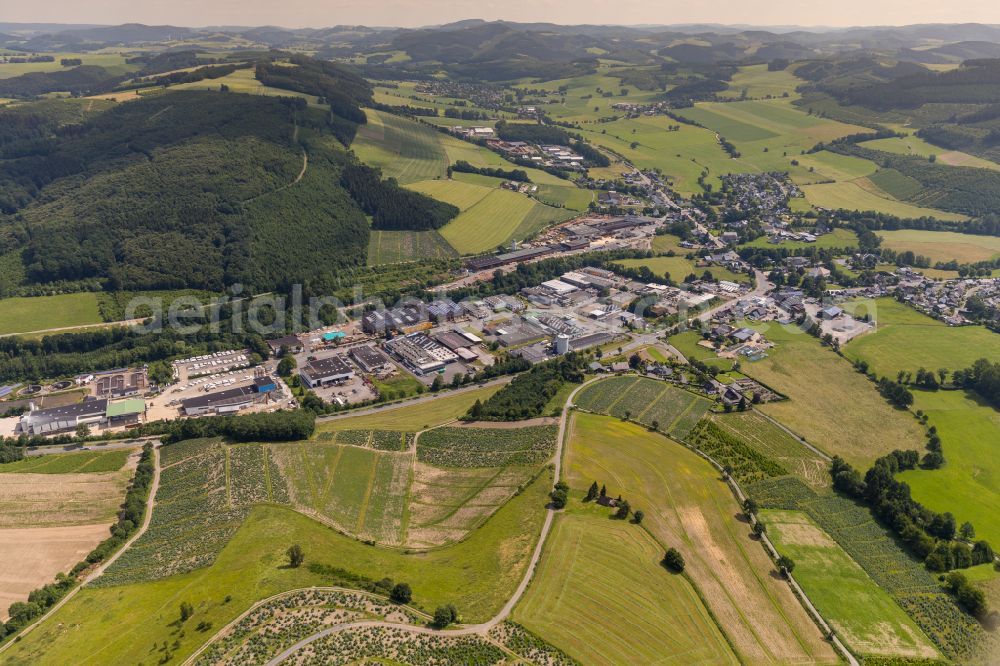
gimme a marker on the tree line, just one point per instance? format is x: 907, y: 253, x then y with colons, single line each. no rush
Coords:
x: 393, y: 207
x: 520, y: 175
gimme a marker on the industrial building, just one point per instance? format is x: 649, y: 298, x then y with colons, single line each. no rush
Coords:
x: 231, y: 400
x: 326, y: 371
x: 100, y: 412
x: 368, y: 358
x: 420, y: 353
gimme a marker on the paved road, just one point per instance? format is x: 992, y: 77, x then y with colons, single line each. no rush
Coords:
x: 150, y: 502
x: 508, y: 607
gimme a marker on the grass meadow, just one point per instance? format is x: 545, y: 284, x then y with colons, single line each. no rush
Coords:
x: 393, y: 247
x: 679, y: 267
x: 864, y: 615
x: 687, y: 506
x: 35, y: 313
x: 69, y: 463
x: 942, y: 245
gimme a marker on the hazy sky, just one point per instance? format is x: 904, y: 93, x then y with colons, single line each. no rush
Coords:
x: 320, y: 13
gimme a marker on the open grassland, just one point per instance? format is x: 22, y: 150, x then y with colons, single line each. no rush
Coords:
x: 663, y: 243
x: 687, y: 344
x: 68, y: 463
x: 427, y: 414
x: 653, y: 403
x: 825, y: 165
x: 241, y: 81
x: 942, y: 245
x: 679, y: 268
x: 959, y: 636
x: 393, y: 247
x: 831, y: 405
x: 403, y: 149
x: 775, y: 444
x: 864, y: 615
x: 456, y: 192
x: 497, y: 218
x: 124, y: 624
x: 864, y: 195
x: 667, y: 622
x: 35, y: 313
x: 755, y: 81
x: 969, y: 483
x: 688, y: 507
x: 914, y: 145
x: 34, y: 555
x: 907, y: 340
x: 362, y: 491
x: 112, y: 61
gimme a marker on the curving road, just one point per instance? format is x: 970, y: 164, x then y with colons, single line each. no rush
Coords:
x: 150, y: 502
x: 508, y: 607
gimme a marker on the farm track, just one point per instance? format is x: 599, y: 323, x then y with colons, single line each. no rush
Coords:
x: 96, y: 573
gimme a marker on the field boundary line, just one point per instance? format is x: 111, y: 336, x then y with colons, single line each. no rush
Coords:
x: 154, y: 486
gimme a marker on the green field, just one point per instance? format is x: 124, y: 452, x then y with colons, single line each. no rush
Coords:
x: 678, y: 268
x: 403, y: 149
x: 755, y: 81
x: 688, y: 507
x: 115, y: 62
x: 864, y: 615
x: 851, y: 195
x: 500, y: 216
x: 908, y: 340
x: 942, y: 246
x: 914, y: 145
x: 391, y: 247
x: 969, y: 483
x: 459, y: 193
x: 21, y: 315
x: 600, y: 572
x: 69, y: 463
x: 831, y: 405
x: 442, y: 409
x: 687, y: 344
x: 123, y: 624
x: 653, y: 403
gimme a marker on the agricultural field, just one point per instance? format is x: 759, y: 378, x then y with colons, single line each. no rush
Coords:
x: 851, y: 525
x: 500, y: 216
x: 775, y: 444
x: 241, y: 81
x: 403, y: 149
x: 969, y: 483
x: 679, y: 267
x: 206, y: 490
x: 112, y: 61
x: 653, y: 403
x: 862, y: 194
x: 907, y: 340
x: 59, y: 498
x: 687, y: 344
x: 942, y: 246
x: 914, y: 145
x: 69, y: 463
x: 443, y: 409
x: 733, y: 452
x: 664, y: 243
x: 831, y: 405
x: 362, y: 491
x: 136, y: 620
x: 755, y: 82
x: 864, y: 615
x: 393, y: 247
x: 35, y: 313
x: 667, y: 622
x: 486, y: 447
x: 687, y: 506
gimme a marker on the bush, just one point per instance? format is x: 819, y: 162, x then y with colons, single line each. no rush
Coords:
x: 443, y: 616
x: 401, y: 593
x: 673, y: 560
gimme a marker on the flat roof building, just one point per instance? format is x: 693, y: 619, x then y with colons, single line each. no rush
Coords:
x: 325, y: 371
x: 63, y: 419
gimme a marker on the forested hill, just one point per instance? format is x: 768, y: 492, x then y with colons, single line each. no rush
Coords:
x: 183, y: 189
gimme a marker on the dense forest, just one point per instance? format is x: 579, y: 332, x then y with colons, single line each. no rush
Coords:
x: 526, y: 396
x: 391, y: 206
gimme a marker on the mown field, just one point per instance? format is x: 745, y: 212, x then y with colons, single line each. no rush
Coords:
x: 755, y: 81
x: 862, y: 194
x: 864, y: 615
x: 687, y: 506
x: 831, y: 405
x: 127, y: 624
x: 21, y: 315
x: 667, y: 622
x: 500, y: 216
x: 907, y: 340
x: 914, y: 145
x: 113, y: 61
x: 69, y: 463
x: 969, y: 483
x: 942, y: 245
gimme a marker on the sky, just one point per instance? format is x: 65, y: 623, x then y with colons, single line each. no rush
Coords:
x: 409, y: 13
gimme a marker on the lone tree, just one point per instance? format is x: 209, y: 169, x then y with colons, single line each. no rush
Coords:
x: 673, y: 560
x: 638, y: 516
x: 559, y: 498
x: 295, y: 556
x: 591, y: 493
x: 401, y: 593
x: 443, y: 616
x: 604, y: 490
x: 786, y: 565
x: 187, y: 610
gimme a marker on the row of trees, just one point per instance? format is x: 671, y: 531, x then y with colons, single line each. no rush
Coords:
x: 526, y: 396
x: 519, y: 175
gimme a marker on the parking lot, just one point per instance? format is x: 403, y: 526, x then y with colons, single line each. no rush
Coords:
x: 166, y: 405
x: 211, y: 364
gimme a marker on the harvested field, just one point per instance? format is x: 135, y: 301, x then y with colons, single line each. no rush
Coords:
x: 40, y: 554
x: 47, y: 500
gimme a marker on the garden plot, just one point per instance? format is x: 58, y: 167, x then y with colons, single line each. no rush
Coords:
x: 486, y: 447
x: 276, y: 625
x: 399, y: 646
x: 733, y: 453
x: 527, y: 645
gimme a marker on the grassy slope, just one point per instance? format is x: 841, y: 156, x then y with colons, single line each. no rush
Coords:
x: 942, y: 245
x: 412, y: 417
x: 122, y: 624
x: 864, y: 615
x: 666, y: 621
x: 831, y: 405
x: 687, y: 507
x: 20, y: 315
